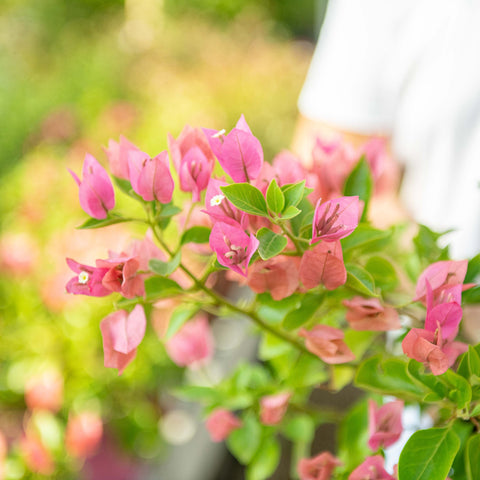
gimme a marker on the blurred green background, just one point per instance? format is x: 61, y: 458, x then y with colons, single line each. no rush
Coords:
x: 74, y: 73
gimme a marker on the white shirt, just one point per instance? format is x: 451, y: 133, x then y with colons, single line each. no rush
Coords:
x: 409, y: 69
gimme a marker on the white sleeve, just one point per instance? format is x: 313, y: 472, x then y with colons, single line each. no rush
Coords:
x: 346, y: 85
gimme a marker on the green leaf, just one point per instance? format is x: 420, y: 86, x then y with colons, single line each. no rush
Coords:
x: 265, y: 461
x: 271, y: 346
x: 95, y: 223
x: 469, y: 365
x: 271, y: 243
x: 365, y: 237
x: 275, y: 197
x: 301, y: 315
x: 160, y: 287
x: 459, y: 390
x: 165, y: 268
x: 473, y: 270
x: 427, y: 247
x: 472, y: 295
x: 383, y: 272
x: 168, y: 210
x: 417, y: 371
x: 303, y: 221
x: 306, y: 372
x: 195, y: 234
x: 360, y: 280
x: 472, y: 457
x: 428, y: 455
x: 293, y: 193
x: 360, y: 183
x: 244, y: 442
x: 246, y: 198
x: 124, y: 185
x: 463, y: 430
x: 290, y: 212
x: 300, y: 428
x: 389, y: 376
x: 179, y: 317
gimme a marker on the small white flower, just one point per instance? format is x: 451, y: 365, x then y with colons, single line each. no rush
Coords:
x: 83, y: 278
x: 216, y: 200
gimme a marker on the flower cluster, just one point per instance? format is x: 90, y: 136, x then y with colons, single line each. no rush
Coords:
x: 328, y: 285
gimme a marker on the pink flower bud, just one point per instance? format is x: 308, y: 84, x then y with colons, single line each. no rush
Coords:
x: 371, y: 469
x: 327, y: 343
x: 150, y: 177
x: 319, y: 467
x: 323, y: 265
x: 240, y: 153
x: 192, y: 345
x: 117, y: 154
x: 44, y: 391
x: 370, y: 314
x: 221, y: 423
x: 83, y: 434
x: 37, y: 457
x: 273, y: 408
x: 122, y: 332
x: 335, y: 219
x: 384, y: 424
x: 95, y: 190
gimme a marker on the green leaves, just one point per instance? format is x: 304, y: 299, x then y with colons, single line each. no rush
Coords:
x: 275, y: 197
x: 428, y: 455
x: 360, y: 280
x: 110, y: 220
x: 306, y: 308
x: 472, y: 458
x: 244, y: 441
x: 164, y: 268
x: 360, y: 182
x: 271, y: 243
x: 161, y: 287
x: 195, y: 234
x: 246, y: 198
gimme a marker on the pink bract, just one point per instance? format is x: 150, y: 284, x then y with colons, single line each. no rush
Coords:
x: 384, y: 424
x: 219, y: 208
x: 150, y: 177
x: 88, y: 281
x: 279, y: 276
x: 327, y: 343
x: 192, y: 345
x: 221, y: 423
x: 121, y: 276
x: 240, y: 153
x: 323, y: 265
x: 122, y: 332
x: 44, y: 391
x: 319, y: 467
x: 371, y: 469
x: 234, y: 248
x: 117, y: 154
x: 445, y: 316
x: 195, y: 172
x: 335, y: 219
x: 83, y: 434
x: 273, y: 408
x: 370, y: 314
x: 95, y: 190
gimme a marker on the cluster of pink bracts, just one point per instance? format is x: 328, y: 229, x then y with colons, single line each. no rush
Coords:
x: 233, y: 241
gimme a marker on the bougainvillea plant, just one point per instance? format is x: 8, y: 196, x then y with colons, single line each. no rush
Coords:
x: 333, y: 300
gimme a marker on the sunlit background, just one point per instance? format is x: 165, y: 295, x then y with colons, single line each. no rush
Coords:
x: 74, y: 73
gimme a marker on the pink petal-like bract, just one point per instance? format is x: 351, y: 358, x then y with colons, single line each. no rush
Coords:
x: 323, y: 265
x: 122, y: 332
x: 335, y: 219
x: 95, y: 190
x: 371, y: 469
x: 44, y: 391
x: 240, y: 153
x: 88, y: 281
x: 447, y: 317
x: 234, y: 248
x: 279, y: 276
x: 219, y: 208
x: 195, y: 172
x: 221, y: 423
x: 83, y: 434
x: 327, y: 343
x: 117, y: 154
x: 122, y: 276
x: 384, y: 424
x: 370, y: 314
x: 273, y: 408
x: 319, y: 467
x: 192, y: 345
x: 150, y: 177
x: 440, y: 275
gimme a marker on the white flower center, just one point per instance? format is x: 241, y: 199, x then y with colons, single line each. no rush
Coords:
x: 216, y: 200
x: 83, y: 278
